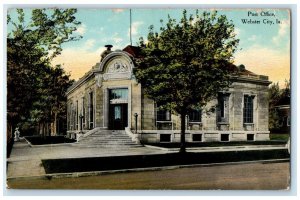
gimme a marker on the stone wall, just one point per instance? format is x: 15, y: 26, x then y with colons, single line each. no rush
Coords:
x: 81, y: 94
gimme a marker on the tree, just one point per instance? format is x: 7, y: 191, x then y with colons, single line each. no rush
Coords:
x: 50, y: 108
x: 31, y: 45
x: 185, y: 65
x: 274, y: 96
x: 278, y: 97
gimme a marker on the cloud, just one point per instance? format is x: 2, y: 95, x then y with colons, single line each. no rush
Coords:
x: 282, y: 31
x: 237, y: 31
x: 134, y: 27
x: 89, y: 44
x: 266, y: 61
x: 80, y: 60
x: 117, y: 40
x: 252, y: 38
x: 81, y: 29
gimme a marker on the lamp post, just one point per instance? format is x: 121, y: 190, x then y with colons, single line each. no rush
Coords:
x: 135, y: 118
x: 80, y: 117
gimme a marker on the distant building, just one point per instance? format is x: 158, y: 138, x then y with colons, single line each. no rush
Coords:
x: 284, y: 113
x: 283, y: 110
x: 109, y: 97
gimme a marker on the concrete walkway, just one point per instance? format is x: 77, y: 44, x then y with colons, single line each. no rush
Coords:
x: 26, y: 161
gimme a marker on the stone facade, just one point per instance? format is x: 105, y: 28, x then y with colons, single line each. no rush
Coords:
x: 108, y: 97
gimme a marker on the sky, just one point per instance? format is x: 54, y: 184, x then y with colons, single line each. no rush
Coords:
x: 264, y: 47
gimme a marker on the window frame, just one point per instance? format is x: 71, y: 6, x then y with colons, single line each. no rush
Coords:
x: 248, y: 109
x: 163, y: 112
x: 193, y: 113
x: 223, y: 111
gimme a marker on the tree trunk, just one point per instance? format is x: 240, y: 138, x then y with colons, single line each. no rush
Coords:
x: 182, y: 133
x: 48, y: 129
x: 57, y: 125
x: 54, y: 125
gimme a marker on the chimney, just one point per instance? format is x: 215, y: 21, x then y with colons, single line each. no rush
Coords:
x: 108, y: 47
x: 107, y: 51
x: 242, y: 67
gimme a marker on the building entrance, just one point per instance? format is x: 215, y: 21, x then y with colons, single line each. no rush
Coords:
x: 118, y: 109
x: 118, y: 116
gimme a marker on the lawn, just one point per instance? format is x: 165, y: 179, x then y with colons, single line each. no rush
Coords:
x: 279, y: 136
x: 42, y: 140
x: 69, y: 165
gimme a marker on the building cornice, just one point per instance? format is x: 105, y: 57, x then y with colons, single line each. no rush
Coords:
x: 80, y: 81
x: 262, y: 80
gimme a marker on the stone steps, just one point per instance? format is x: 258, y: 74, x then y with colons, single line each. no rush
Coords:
x: 107, y: 139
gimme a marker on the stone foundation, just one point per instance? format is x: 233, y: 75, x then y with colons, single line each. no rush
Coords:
x: 158, y: 136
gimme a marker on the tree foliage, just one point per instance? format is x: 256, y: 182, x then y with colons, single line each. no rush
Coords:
x: 185, y: 65
x: 35, y: 89
x: 278, y: 97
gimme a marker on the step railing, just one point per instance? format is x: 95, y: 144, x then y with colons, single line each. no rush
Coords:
x: 79, y: 137
x: 134, y: 137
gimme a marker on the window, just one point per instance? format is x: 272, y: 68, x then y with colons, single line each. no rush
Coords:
x: 224, y: 137
x: 77, y: 115
x: 70, y: 116
x: 195, y: 116
x: 223, y: 108
x: 197, y: 137
x: 250, y: 137
x: 83, y: 113
x: 120, y: 93
x: 163, y: 115
x: 248, y: 109
x: 165, y: 137
x: 117, y: 115
x: 288, y: 121
x: 91, y: 110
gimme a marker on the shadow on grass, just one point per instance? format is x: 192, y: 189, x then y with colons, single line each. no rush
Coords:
x: 157, y: 160
x: 42, y: 140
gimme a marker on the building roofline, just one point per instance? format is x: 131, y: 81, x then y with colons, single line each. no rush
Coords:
x: 80, y: 82
x: 131, y: 51
x: 258, y: 79
x: 99, y: 67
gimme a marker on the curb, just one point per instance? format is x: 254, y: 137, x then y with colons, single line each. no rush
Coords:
x: 221, y: 149
x: 96, y: 173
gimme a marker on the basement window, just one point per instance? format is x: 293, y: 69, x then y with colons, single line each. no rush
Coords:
x: 165, y: 137
x: 224, y: 137
x: 250, y: 137
x: 197, y: 137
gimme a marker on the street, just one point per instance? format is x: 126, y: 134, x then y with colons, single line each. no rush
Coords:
x: 254, y: 176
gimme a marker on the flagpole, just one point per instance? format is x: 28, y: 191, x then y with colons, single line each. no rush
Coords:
x: 130, y: 28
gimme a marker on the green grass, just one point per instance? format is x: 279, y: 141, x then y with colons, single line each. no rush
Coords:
x: 283, y: 137
x: 68, y: 165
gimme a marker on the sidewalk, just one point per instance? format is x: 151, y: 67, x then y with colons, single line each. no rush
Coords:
x: 26, y: 161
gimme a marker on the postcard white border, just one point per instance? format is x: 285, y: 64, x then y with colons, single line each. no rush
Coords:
x: 162, y: 4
